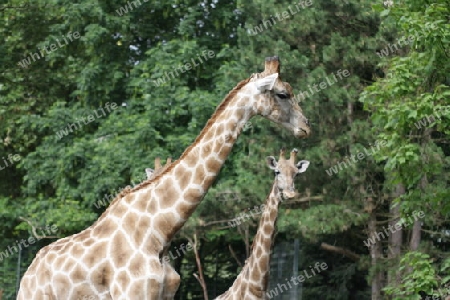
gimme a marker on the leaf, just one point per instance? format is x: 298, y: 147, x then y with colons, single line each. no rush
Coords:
x: 385, y: 12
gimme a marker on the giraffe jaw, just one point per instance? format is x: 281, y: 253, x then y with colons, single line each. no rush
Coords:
x: 288, y: 194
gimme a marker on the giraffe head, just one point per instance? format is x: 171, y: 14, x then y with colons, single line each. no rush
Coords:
x: 275, y: 99
x: 285, y: 172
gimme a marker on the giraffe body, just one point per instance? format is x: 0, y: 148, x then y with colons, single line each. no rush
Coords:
x: 252, y: 281
x: 121, y: 255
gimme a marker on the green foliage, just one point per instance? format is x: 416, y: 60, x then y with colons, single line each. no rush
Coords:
x: 417, y: 275
x: 321, y: 220
x: 408, y: 110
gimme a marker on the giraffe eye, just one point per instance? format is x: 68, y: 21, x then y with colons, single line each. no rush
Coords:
x: 283, y: 95
x: 277, y: 172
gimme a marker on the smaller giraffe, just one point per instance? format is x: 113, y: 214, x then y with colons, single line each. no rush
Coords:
x: 253, y: 280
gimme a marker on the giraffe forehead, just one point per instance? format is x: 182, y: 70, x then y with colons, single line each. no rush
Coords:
x: 286, y: 167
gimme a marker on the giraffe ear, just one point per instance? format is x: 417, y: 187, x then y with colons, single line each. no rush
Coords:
x: 149, y: 172
x: 266, y: 83
x: 271, y: 162
x: 302, y: 166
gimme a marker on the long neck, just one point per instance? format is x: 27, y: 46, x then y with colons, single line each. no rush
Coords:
x: 199, y: 166
x: 171, y: 197
x: 254, y: 278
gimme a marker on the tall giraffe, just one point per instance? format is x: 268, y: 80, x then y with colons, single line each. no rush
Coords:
x: 252, y: 281
x: 121, y: 255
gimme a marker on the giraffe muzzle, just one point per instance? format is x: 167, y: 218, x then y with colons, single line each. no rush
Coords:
x: 289, y: 194
x: 302, y: 132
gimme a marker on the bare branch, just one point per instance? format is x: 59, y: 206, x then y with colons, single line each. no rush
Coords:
x: 200, y: 277
x: 218, y: 222
x: 340, y: 250
x: 34, y: 230
x: 235, y: 256
x: 13, y: 7
x: 306, y: 199
x: 247, y: 242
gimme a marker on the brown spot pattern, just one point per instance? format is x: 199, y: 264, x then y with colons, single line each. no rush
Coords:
x: 164, y: 223
x: 120, y: 250
x: 183, y: 177
x: 192, y: 195
x: 123, y: 278
x: 167, y: 194
x: 213, y: 165
x: 199, y: 174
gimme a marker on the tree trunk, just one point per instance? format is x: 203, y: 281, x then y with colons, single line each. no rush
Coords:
x: 395, y: 238
x: 414, y: 242
x: 415, y: 235
x: 417, y: 227
x: 375, y: 255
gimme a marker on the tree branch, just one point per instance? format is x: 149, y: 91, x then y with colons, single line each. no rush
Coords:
x: 306, y: 199
x: 340, y: 250
x: 235, y: 256
x: 34, y: 231
x: 13, y: 7
x: 218, y: 222
x: 200, y: 277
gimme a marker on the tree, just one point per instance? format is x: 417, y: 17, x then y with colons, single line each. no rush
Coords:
x: 408, y: 111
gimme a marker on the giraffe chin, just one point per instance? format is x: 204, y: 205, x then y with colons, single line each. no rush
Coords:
x: 288, y: 195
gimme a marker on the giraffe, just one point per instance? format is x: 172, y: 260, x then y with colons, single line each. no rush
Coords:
x: 252, y: 281
x: 120, y: 256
